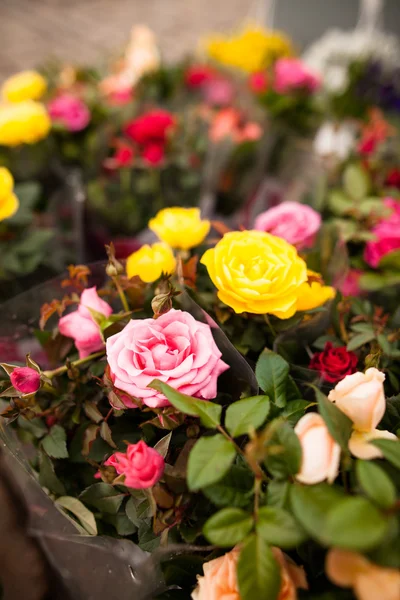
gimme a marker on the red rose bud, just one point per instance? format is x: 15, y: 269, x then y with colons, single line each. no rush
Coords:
x: 334, y: 363
x: 153, y: 154
x: 258, y: 82
x: 25, y: 380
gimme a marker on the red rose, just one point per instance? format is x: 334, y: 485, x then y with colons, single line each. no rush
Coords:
x: 197, y: 75
x: 334, y: 363
x: 150, y: 127
x: 153, y: 154
x: 124, y: 155
x: 258, y: 82
x: 393, y: 178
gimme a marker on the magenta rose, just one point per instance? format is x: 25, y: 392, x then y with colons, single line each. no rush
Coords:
x: 142, y: 466
x: 350, y: 286
x: 80, y: 325
x: 174, y: 348
x: 70, y: 111
x: 292, y: 74
x: 25, y: 380
x: 387, y: 236
x: 296, y: 223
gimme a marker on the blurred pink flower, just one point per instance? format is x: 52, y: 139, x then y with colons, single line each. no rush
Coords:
x: 218, y: 92
x: 294, y: 222
x: 258, y: 82
x: 228, y: 123
x: 292, y: 74
x: 350, y: 285
x: 70, y: 111
x: 387, y: 236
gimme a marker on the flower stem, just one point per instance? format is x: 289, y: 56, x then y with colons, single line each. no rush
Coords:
x: 121, y: 294
x: 259, y: 474
x: 76, y: 363
x: 270, y: 327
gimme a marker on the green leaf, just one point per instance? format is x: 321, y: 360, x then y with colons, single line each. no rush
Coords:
x: 278, y: 493
x: 209, y: 413
x: 209, y: 461
x: 360, y: 339
x: 131, y: 512
x: 277, y: 527
x: 339, y: 203
x: 48, y: 477
x: 92, y: 412
x: 103, y: 496
x: 228, y: 527
x: 294, y: 410
x: 390, y: 261
x: 84, y: 516
x: 355, y: 523
x: 106, y: 435
x: 55, y: 443
x: 284, y: 452
x: 338, y: 424
x: 162, y: 445
x: 121, y: 523
x: 311, y: 505
x: 375, y: 483
x: 272, y: 372
x: 233, y: 490
x: 356, y: 182
x: 257, y: 571
x: 245, y: 415
x: 390, y: 450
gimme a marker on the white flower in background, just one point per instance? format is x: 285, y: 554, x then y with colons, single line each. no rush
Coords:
x: 335, y: 140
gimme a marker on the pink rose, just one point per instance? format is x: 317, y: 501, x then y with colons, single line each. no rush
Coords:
x: 294, y: 222
x: 291, y: 74
x: 218, y: 92
x: 80, y: 325
x: 25, y: 380
x: 387, y: 236
x: 70, y: 111
x: 320, y: 452
x: 142, y: 466
x: 174, y: 348
x: 350, y: 285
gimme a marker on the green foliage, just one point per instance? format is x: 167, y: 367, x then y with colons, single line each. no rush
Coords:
x: 284, y: 452
x: 375, y: 483
x: 277, y: 527
x: 209, y: 461
x: 55, y: 443
x: 234, y: 489
x: 84, y: 516
x: 338, y: 424
x: 390, y: 450
x: 104, y: 497
x: 272, y: 372
x: 258, y: 572
x: 356, y: 182
x: 228, y: 527
x: 245, y: 415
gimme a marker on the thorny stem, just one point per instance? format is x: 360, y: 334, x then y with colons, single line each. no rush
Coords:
x: 76, y: 363
x: 121, y: 294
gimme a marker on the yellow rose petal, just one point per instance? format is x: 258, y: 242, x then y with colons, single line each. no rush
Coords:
x: 27, y: 85
x: 180, y: 228
x: 8, y: 206
x: 6, y: 183
x: 149, y: 262
x: 314, y: 293
x: 23, y: 123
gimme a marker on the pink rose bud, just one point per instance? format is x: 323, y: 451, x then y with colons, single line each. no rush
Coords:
x: 294, y: 222
x: 142, y: 466
x: 70, y: 111
x: 362, y: 398
x: 321, y: 454
x: 25, y: 380
x: 175, y: 348
x: 292, y: 74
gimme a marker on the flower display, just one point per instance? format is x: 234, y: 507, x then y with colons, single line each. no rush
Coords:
x: 180, y: 228
x: 175, y: 348
x: 296, y: 223
x: 149, y: 262
x: 369, y: 581
x: 81, y: 326
x: 151, y: 127
x: 69, y: 111
x: 334, y: 363
x: 386, y: 236
x: 141, y: 465
x: 256, y: 272
x: 227, y: 123
x: 9, y: 202
x: 25, y: 380
x: 250, y: 50
x: 320, y: 452
x: 23, y: 123
x: 314, y: 293
x: 27, y: 85
x: 291, y: 74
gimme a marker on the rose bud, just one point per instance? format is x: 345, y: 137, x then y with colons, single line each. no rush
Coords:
x: 320, y: 452
x: 142, y: 466
x: 25, y: 380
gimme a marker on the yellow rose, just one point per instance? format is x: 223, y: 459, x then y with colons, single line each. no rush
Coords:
x: 28, y: 85
x: 256, y: 272
x: 149, y: 262
x: 9, y: 202
x: 23, y: 123
x: 180, y: 228
x: 314, y: 293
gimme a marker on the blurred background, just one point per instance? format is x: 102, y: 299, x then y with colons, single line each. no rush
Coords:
x: 82, y: 30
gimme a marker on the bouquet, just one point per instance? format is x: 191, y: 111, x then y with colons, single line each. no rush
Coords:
x: 216, y: 398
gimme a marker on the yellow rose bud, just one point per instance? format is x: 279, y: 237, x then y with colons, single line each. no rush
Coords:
x: 23, y: 123
x: 180, y: 228
x: 9, y: 202
x: 314, y: 293
x: 256, y: 272
x: 28, y: 85
x: 149, y: 262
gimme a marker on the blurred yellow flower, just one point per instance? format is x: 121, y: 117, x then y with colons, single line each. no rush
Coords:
x: 149, y: 262
x: 180, y: 228
x: 23, y: 123
x: 9, y: 202
x: 256, y: 272
x: 251, y: 50
x: 27, y: 85
x: 314, y: 293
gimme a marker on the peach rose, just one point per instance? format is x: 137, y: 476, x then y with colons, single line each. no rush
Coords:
x: 321, y: 454
x: 220, y: 580
x: 360, y: 443
x: 369, y: 582
x: 361, y: 397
